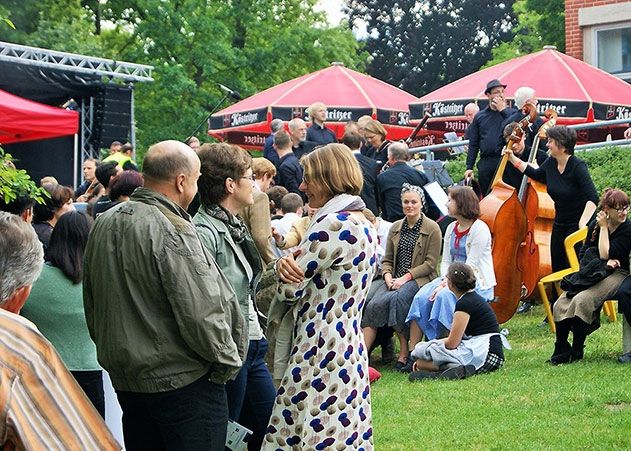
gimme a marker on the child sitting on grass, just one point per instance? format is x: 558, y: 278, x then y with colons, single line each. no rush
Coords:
x: 474, y: 344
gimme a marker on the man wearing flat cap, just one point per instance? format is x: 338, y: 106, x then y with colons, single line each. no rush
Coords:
x: 485, y: 135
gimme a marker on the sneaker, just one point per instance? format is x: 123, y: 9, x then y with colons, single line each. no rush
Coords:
x: 399, y: 365
x: 407, y: 368
x: 525, y: 307
x: 625, y: 358
x: 423, y: 375
x: 458, y: 372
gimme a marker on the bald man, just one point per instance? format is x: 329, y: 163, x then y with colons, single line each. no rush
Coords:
x: 166, y: 323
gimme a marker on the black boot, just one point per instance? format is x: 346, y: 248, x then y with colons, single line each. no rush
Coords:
x: 562, y: 349
x: 581, y: 330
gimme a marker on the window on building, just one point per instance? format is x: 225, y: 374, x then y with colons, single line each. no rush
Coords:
x: 613, y: 46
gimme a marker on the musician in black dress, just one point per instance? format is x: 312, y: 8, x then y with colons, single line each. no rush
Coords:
x: 569, y: 185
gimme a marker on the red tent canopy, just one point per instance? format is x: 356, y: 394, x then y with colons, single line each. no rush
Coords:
x: 578, y: 91
x: 347, y: 94
x: 25, y: 120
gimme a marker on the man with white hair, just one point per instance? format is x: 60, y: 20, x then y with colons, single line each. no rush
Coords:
x: 523, y: 96
x: 318, y: 132
x: 268, y: 149
x: 298, y: 134
x: 42, y: 406
x: 470, y: 110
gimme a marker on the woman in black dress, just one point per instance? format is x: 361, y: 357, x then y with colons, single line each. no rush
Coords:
x: 604, y: 265
x: 569, y: 185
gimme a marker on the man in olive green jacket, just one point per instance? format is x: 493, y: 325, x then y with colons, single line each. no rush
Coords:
x: 166, y: 323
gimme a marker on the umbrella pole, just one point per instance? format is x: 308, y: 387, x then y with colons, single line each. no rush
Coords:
x: 213, y: 111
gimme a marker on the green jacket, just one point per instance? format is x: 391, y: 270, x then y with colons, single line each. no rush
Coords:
x: 160, y: 311
x: 241, y: 264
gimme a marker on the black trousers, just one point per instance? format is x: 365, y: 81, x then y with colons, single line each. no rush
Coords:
x: 192, y: 418
x: 91, y: 382
x: 486, y: 170
x: 624, y: 299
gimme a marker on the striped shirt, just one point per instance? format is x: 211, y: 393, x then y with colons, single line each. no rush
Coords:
x: 41, y: 405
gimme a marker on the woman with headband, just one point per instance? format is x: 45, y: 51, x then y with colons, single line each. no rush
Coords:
x: 412, y: 252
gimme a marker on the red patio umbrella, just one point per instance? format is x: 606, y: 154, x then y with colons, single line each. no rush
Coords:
x: 347, y: 94
x: 578, y: 91
x: 25, y: 120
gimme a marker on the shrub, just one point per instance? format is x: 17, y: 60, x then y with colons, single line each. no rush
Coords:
x: 610, y: 167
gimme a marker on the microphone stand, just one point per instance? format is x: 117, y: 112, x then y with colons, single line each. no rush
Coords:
x: 213, y: 111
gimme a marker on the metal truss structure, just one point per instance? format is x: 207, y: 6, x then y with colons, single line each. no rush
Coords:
x: 80, y: 64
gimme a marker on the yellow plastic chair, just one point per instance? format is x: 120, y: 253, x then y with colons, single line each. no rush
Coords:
x: 556, y: 277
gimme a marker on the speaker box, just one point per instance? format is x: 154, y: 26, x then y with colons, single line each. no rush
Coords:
x: 112, y: 116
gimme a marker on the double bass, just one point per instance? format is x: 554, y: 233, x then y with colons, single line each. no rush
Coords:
x: 504, y: 214
x: 534, y: 258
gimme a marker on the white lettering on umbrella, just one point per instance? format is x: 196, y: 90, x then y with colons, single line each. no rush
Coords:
x: 542, y: 107
x: 447, y: 109
x: 623, y: 112
x: 338, y: 115
x: 247, y: 118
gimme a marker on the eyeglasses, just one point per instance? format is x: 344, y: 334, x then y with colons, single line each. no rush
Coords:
x: 622, y: 210
x: 248, y: 177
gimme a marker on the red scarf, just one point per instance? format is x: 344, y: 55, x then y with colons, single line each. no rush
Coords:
x: 459, y: 235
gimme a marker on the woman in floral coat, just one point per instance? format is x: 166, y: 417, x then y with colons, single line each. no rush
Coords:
x: 324, y: 397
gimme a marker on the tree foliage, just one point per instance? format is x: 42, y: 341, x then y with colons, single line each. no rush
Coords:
x: 248, y: 45
x: 16, y: 183
x: 422, y: 45
x: 539, y: 23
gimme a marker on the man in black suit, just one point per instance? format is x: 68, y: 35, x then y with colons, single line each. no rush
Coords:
x: 298, y: 134
x: 289, y: 169
x: 370, y: 170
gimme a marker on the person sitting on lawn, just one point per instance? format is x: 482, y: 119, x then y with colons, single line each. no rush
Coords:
x: 604, y: 263
x: 412, y: 252
x: 467, y: 240
x: 474, y: 344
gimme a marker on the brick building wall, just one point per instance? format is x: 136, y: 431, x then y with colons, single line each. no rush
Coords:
x: 573, y: 31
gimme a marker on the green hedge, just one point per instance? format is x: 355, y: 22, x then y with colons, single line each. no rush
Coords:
x: 610, y: 167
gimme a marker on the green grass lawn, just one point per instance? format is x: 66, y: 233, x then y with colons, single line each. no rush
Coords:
x: 528, y: 404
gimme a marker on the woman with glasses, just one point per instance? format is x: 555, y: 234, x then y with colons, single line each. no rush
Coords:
x: 569, y: 185
x: 375, y: 135
x: 226, y: 187
x: 604, y: 263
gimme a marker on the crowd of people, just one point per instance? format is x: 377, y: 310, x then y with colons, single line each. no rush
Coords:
x: 214, y: 287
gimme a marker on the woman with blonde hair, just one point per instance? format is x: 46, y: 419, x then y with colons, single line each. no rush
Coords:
x: 375, y: 135
x: 320, y: 358
x: 256, y: 216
